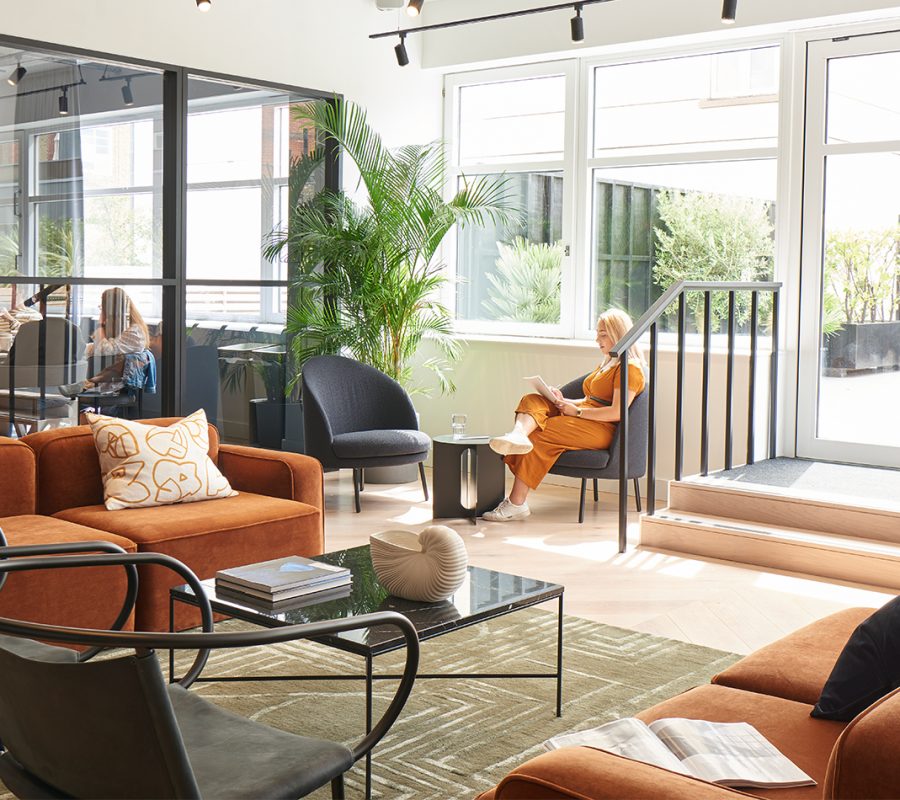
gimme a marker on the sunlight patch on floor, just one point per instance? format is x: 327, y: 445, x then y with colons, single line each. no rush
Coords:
x: 591, y: 551
x: 820, y: 590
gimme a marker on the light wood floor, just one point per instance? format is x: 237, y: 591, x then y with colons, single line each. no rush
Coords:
x: 712, y: 603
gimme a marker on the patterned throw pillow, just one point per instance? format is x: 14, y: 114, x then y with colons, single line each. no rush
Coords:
x: 148, y: 465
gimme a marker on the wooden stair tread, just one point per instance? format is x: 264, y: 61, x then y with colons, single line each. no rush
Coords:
x: 833, y: 541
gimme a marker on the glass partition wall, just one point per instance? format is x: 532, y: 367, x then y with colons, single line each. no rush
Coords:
x: 136, y: 199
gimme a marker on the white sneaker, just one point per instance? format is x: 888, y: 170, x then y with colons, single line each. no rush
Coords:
x: 513, y: 443
x: 507, y: 511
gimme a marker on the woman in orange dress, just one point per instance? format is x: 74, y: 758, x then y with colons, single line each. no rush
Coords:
x: 545, y: 429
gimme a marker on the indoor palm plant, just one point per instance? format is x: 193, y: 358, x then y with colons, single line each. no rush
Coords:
x: 367, y: 272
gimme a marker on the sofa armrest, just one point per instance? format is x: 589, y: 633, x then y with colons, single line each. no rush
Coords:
x: 583, y: 773
x: 291, y: 476
x: 865, y: 762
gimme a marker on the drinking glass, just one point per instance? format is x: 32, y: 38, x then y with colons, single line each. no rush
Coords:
x: 458, y: 425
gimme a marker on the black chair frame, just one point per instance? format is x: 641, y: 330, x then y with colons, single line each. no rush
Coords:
x: 86, y: 554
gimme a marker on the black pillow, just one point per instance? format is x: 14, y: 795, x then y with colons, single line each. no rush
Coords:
x: 867, y: 669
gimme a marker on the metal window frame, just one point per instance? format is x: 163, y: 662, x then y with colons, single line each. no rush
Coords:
x: 173, y: 282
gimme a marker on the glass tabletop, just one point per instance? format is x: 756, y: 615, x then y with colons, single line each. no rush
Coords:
x: 484, y: 594
x: 465, y: 439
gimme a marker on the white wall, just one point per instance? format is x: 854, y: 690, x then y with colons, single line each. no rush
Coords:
x: 608, y: 24
x: 318, y: 44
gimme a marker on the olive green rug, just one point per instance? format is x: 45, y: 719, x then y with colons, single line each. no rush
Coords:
x: 458, y: 737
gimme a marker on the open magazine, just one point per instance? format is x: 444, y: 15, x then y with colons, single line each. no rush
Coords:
x: 540, y: 386
x: 727, y: 753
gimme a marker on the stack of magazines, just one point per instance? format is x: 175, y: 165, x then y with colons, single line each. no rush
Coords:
x: 283, y: 582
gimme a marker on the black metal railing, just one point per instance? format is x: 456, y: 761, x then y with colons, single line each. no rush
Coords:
x: 649, y: 322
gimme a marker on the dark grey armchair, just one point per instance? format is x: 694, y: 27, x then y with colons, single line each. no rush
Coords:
x: 71, y: 727
x: 597, y: 464
x: 355, y: 416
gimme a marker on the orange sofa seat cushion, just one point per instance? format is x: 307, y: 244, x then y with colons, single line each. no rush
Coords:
x: 68, y: 469
x: 84, y: 597
x: 207, y: 536
x: 797, y: 666
x: 18, y: 489
x: 785, y: 723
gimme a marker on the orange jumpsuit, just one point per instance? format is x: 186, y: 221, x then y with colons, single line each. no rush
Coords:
x: 555, y: 433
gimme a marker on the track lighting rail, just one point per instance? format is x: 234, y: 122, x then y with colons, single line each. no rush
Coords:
x: 489, y: 18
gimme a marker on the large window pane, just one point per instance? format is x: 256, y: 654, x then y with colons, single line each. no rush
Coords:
x: 507, y: 121
x: 863, y: 101
x: 656, y: 225
x: 92, y: 198
x: 711, y: 101
x: 513, y: 274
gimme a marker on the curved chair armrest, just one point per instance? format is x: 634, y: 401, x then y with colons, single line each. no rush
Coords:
x: 69, y: 548
x: 98, y: 640
x: 584, y: 773
x: 291, y: 476
x: 206, y: 641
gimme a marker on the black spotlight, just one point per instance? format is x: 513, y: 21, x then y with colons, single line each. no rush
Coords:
x: 204, y: 5
x: 64, y: 103
x: 400, y: 51
x: 729, y: 9
x: 16, y: 75
x: 577, y: 25
x: 127, y: 96
x: 414, y: 7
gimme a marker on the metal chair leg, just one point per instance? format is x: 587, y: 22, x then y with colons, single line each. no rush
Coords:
x: 581, y: 503
x: 637, y: 494
x: 337, y: 788
x: 596, y: 492
x: 362, y: 479
x: 422, y: 476
x: 356, y: 480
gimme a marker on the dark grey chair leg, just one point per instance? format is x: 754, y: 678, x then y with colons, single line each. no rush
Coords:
x: 422, y: 476
x: 637, y: 495
x: 337, y: 788
x: 356, y: 480
x: 362, y: 479
x: 596, y: 492
x: 581, y: 502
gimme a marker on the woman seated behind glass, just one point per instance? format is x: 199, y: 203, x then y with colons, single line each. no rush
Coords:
x: 121, y: 331
x: 544, y: 429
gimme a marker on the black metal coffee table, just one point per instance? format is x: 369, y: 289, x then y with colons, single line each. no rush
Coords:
x: 485, y: 595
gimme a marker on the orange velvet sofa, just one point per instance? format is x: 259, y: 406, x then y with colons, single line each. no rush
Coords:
x: 774, y: 689
x: 84, y: 597
x: 277, y: 512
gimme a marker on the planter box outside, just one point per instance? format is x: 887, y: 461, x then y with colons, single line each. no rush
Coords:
x: 862, y: 346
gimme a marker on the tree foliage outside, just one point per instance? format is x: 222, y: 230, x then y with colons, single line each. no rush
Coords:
x: 526, y: 286
x: 862, y: 275
x: 709, y: 237
x: 368, y: 276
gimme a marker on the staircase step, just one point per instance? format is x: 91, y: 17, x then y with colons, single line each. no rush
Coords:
x: 869, y: 561
x: 782, y: 508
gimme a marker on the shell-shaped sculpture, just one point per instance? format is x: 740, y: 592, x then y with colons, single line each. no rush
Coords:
x: 428, y: 566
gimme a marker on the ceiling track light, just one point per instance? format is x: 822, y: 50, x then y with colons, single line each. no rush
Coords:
x: 729, y: 10
x: 577, y: 25
x: 127, y: 94
x: 64, y: 103
x: 204, y: 5
x: 16, y: 75
x: 414, y: 7
x: 400, y: 51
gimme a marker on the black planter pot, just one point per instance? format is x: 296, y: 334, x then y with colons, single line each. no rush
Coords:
x: 267, y: 423
x: 860, y: 346
x: 293, y: 440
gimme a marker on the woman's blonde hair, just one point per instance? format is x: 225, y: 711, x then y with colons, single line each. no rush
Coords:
x: 617, y: 324
x: 120, y: 313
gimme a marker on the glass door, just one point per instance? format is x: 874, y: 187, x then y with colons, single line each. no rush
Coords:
x: 849, y: 375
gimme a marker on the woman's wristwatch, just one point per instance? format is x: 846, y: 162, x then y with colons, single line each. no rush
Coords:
x: 579, y: 411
